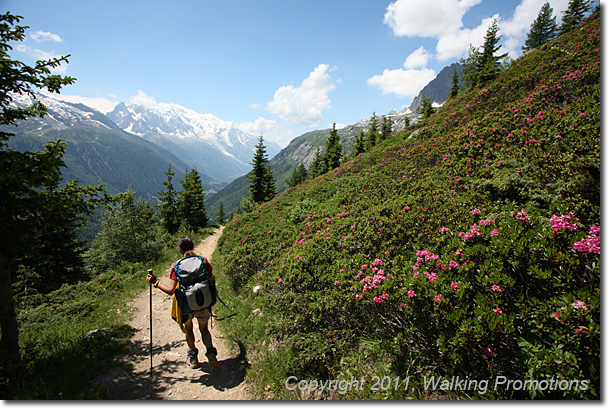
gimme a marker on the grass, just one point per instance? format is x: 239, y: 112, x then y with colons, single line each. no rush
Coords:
x: 58, y: 361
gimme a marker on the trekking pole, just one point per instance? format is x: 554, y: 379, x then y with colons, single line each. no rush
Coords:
x: 150, y: 271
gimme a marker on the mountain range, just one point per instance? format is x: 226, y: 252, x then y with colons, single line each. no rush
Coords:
x: 215, y: 147
x: 131, y: 146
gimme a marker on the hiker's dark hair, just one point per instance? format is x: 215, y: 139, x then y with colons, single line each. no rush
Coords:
x: 185, y: 244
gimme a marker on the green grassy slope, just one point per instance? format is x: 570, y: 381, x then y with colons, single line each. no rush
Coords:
x: 466, y: 246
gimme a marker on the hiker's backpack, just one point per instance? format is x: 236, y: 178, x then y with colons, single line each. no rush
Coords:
x: 197, y: 290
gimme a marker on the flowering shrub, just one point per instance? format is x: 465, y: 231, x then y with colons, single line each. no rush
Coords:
x: 471, y: 246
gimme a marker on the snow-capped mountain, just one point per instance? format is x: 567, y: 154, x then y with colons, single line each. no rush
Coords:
x: 215, y: 147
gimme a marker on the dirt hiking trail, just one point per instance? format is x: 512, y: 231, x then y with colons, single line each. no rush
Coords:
x: 172, y: 378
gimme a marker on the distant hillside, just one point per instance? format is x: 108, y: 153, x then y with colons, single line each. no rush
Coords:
x: 467, y: 247
x: 98, y: 151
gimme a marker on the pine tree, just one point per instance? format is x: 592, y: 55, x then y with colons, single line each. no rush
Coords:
x: 168, y: 203
x: 332, y: 158
x: 407, y: 122
x: 39, y: 219
x: 577, y: 9
x: 373, y: 133
x: 260, y: 178
x: 270, y: 190
x: 298, y: 176
x: 316, y: 168
x: 426, y: 108
x: 455, y: 85
x: 220, y: 216
x: 542, y: 30
x: 386, y: 128
x: 359, y: 144
x: 481, y: 67
x: 490, y: 64
x: 191, y: 202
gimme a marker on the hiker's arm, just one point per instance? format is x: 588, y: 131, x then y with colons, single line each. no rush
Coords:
x: 169, y: 289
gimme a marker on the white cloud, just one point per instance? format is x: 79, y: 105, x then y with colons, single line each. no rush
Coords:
x: 429, y: 18
x: 456, y: 44
x: 403, y: 83
x: 417, y: 59
x: 269, y: 129
x: 40, y: 36
x: 142, y: 99
x: 304, y: 104
x: 103, y: 105
x: 42, y: 55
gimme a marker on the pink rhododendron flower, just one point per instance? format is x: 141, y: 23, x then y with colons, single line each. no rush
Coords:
x: 454, y: 264
x: 488, y: 351
x: 403, y: 305
x: 580, y: 305
x: 336, y: 282
x: 496, y: 288
x: 476, y: 211
x: 563, y: 221
x: 438, y: 298
x: 279, y: 280
x: 411, y: 294
x: 454, y: 285
x: 498, y: 311
x: 556, y: 315
x: 591, y: 243
x: 378, y: 262
x: 495, y: 232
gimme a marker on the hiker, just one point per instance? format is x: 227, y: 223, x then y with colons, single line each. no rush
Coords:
x: 185, y: 246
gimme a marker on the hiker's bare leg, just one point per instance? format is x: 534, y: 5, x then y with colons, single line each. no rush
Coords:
x: 205, y: 334
x: 190, y: 336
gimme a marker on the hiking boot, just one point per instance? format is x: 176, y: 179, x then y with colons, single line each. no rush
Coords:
x: 213, y: 362
x: 191, y: 357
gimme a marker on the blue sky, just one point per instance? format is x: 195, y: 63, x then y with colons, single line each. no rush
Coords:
x: 275, y: 68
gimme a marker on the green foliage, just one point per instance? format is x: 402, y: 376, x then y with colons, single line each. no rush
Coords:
x: 130, y: 234
x: 262, y: 184
x: 577, y: 9
x: 168, y: 203
x: 191, y: 201
x: 39, y: 219
x: 543, y: 29
x: 468, y: 246
x: 332, y: 157
x: 299, y: 175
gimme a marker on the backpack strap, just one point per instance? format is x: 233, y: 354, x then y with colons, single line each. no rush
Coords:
x: 225, y: 305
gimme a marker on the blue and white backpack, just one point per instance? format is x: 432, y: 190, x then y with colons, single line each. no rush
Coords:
x: 196, y: 291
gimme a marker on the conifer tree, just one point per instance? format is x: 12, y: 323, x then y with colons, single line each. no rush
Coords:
x: 39, y: 216
x: 316, y: 168
x: 220, y: 216
x: 298, y: 176
x: 359, y: 144
x: 455, y: 85
x: 332, y: 158
x: 542, y: 30
x: 373, y: 133
x: 481, y: 67
x: 191, y: 202
x: 577, y: 9
x: 407, y: 122
x: 260, y: 178
x: 168, y: 203
x: 386, y: 128
x: 426, y: 108
x: 490, y: 64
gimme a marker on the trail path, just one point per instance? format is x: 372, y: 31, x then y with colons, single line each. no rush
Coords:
x: 172, y: 378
